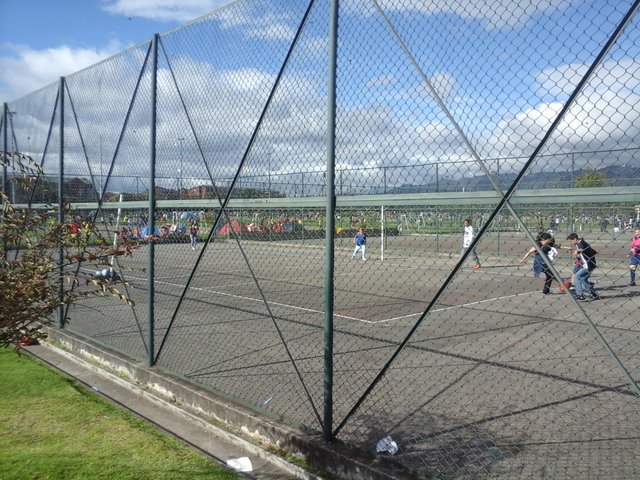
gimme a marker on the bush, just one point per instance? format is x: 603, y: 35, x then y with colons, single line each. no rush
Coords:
x: 41, y: 259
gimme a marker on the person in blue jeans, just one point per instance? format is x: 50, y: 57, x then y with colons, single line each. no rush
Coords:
x: 193, y: 234
x: 360, y: 241
x: 585, y: 257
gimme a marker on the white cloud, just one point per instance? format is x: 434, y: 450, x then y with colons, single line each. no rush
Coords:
x: 28, y: 69
x: 596, y: 121
x: 165, y: 10
x: 24, y: 69
x: 253, y: 21
x: 272, y: 32
x: 498, y: 14
x: 611, y: 75
x: 382, y: 81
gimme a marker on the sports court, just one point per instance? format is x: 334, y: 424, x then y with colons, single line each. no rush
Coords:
x: 492, y: 352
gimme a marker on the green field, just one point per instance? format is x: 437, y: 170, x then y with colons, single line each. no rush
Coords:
x: 54, y: 428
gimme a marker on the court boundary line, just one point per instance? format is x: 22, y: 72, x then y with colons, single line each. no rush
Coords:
x: 463, y: 305
x: 337, y: 315
x: 258, y: 300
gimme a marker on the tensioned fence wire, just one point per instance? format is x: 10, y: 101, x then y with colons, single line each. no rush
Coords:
x: 518, y: 117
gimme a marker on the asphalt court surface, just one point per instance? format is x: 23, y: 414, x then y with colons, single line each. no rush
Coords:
x: 370, y: 292
x: 393, y: 293
x: 492, y: 348
x: 380, y: 302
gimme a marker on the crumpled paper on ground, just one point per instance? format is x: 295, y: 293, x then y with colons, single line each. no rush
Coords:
x: 242, y: 464
x: 387, y: 444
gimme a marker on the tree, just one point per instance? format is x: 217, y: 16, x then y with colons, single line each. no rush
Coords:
x: 590, y: 178
x: 33, y: 283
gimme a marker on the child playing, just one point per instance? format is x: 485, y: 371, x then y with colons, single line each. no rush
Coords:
x: 467, y: 238
x: 193, y: 234
x: 360, y: 241
x: 634, y: 257
x: 585, y: 257
x: 545, y: 242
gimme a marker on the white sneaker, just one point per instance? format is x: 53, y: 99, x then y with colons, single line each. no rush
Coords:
x: 364, y: 259
x: 193, y: 248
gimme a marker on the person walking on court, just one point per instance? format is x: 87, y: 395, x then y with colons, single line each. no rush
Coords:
x: 467, y: 238
x: 360, y: 241
x: 545, y: 242
x: 634, y: 257
x: 193, y: 234
x: 585, y: 256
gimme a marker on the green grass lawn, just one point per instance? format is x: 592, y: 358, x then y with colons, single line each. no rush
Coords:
x: 54, y: 428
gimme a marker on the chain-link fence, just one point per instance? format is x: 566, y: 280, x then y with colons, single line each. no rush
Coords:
x: 459, y: 136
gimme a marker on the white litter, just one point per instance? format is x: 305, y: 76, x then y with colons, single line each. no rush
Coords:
x: 387, y: 444
x: 242, y: 464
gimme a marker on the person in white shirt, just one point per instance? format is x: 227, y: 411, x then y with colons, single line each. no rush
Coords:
x: 467, y: 238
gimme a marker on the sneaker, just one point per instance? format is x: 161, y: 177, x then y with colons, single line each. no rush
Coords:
x: 546, y: 293
x: 632, y: 284
x: 364, y: 259
x: 561, y: 288
x: 581, y: 297
x: 595, y: 296
x: 476, y: 266
x: 193, y: 248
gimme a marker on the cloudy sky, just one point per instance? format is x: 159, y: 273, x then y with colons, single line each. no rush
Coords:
x: 41, y: 40
x: 431, y: 85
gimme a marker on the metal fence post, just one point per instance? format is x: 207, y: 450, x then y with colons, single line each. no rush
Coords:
x: 152, y: 202
x: 499, y: 229
x: 61, y: 309
x: 5, y: 110
x: 330, y: 225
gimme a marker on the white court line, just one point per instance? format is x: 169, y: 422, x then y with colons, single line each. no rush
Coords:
x: 242, y: 297
x: 456, y: 306
x: 173, y: 276
x: 346, y: 317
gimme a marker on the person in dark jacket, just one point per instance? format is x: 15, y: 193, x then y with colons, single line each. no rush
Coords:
x: 585, y: 256
x: 545, y: 243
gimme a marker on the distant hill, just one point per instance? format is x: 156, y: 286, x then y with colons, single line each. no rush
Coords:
x: 617, y: 175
